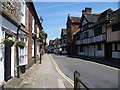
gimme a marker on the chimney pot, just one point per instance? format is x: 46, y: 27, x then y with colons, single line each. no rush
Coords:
x: 88, y: 10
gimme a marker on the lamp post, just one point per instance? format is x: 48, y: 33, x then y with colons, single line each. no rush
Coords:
x: 41, y: 21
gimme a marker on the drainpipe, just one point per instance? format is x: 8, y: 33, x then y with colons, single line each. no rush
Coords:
x: 17, y: 53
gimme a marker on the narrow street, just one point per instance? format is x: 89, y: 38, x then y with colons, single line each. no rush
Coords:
x: 96, y: 76
x: 42, y: 75
x: 60, y: 44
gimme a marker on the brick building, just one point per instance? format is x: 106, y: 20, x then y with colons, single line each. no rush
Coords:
x: 19, y: 21
x: 72, y: 26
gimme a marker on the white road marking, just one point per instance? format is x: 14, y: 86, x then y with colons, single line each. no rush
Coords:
x: 60, y: 83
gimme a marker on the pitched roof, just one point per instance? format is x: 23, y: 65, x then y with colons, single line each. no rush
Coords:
x: 104, y: 16
x: 56, y: 41
x: 92, y: 18
x: 114, y: 17
x: 64, y: 32
x: 50, y: 42
x: 75, y: 19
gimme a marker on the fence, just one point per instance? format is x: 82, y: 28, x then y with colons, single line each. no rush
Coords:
x: 78, y: 82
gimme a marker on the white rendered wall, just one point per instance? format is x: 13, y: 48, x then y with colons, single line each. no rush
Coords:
x: 116, y: 55
x: 99, y: 53
x: 1, y: 61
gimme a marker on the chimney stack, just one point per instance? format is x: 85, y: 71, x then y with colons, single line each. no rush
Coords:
x: 83, y: 11
x: 88, y: 10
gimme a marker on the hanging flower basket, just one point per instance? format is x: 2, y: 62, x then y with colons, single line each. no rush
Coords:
x: 8, y: 41
x: 20, y: 44
x: 34, y: 35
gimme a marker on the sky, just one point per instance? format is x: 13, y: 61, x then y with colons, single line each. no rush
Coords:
x: 55, y: 14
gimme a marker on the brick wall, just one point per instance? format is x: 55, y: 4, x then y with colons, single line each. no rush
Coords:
x: 30, y: 59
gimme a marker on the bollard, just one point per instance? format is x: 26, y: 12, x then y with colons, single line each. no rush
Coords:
x: 76, y: 82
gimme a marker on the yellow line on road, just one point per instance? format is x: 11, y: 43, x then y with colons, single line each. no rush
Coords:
x: 61, y: 73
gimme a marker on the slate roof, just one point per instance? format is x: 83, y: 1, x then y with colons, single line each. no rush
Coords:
x: 75, y: 19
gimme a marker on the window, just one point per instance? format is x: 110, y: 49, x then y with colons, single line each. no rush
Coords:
x: 116, y: 27
x: 86, y: 26
x: 99, y: 47
x: 81, y: 49
x: 86, y: 35
x: 98, y: 31
x: 23, y: 53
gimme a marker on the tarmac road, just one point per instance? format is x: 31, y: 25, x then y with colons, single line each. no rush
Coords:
x: 94, y: 75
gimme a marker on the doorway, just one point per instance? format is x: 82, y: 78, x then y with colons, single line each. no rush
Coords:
x: 108, y: 51
x: 7, y: 63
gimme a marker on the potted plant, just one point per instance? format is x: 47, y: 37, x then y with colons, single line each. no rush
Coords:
x: 34, y: 35
x: 8, y: 41
x: 21, y: 44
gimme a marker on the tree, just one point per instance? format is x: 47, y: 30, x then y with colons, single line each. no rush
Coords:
x: 42, y: 38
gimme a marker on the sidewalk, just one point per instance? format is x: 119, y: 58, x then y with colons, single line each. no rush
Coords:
x: 40, y: 76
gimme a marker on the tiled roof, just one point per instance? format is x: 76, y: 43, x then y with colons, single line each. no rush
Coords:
x: 64, y: 32
x: 114, y: 17
x: 75, y: 19
x: 104, y: 16
x: 51, y: 41
x: 92, y: 17
x: 56, y: 41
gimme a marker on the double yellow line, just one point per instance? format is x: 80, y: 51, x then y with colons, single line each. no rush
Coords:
x: 61, y: 73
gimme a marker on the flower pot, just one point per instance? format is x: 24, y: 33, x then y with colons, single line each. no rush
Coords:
x: 34, y: 36
x: 21, y: 46
x: 10, y: 44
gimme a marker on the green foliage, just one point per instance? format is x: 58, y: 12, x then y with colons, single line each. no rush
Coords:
x: 42, y: 37
x: 20, y: 43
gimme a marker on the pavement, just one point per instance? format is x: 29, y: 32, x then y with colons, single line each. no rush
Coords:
x: 42, y: 75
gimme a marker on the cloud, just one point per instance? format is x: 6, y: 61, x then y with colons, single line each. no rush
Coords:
x: 57, y: 6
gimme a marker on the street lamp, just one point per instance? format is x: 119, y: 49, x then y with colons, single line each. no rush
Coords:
x: 41, y: 21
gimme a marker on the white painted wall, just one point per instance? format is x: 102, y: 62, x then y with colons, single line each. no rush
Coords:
x: 23, y: 7
x: 10, y: 28
x: 1, y: 58
x: 80, y: 53
x: 91, y: 50
x: 12, y: 61
x: 101, y: 52
x: 86, y: 50
x: 116, y: 55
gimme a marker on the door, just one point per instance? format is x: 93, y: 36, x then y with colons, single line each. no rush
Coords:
x: 7, y: 63
x: 108, y: 50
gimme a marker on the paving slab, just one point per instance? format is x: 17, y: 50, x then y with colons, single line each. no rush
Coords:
x: 43, y: 76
